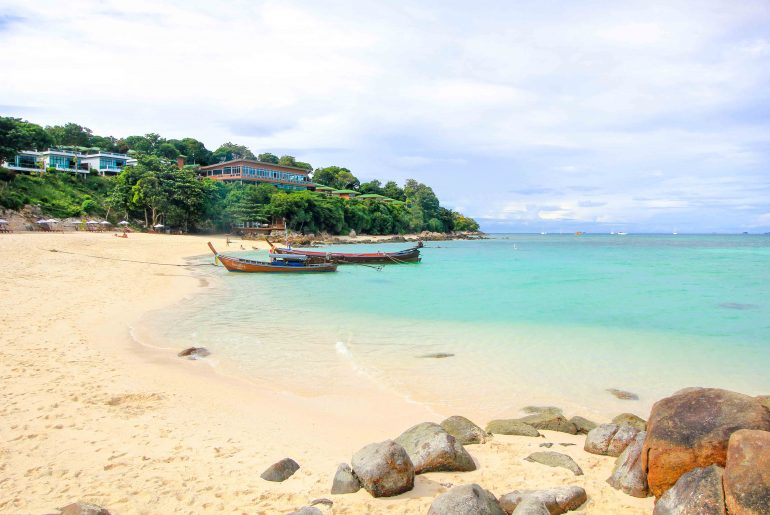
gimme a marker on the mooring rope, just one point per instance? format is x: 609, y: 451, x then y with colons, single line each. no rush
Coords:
x: 129, y: 260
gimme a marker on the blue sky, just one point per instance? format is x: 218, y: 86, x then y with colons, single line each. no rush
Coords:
x: 529, y: 116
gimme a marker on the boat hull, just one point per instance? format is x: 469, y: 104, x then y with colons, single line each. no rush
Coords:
x: 405, y: 256
x: 233, y: 264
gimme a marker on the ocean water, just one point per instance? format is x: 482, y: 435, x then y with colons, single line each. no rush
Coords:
x: 528, y: 319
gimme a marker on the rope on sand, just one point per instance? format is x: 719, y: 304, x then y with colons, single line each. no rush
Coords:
x: 129, y: 260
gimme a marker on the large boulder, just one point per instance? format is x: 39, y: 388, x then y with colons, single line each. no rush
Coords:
x: 698, y: 492
x: 557, y: 500
x: 747, y: 474
x: 691, y: 429
x: 628, y: 474
x: 531, y: 506
x: 550, y: 421
x: 630, y: 419
x: 345, y: 482
x: 384, y: 469
x: 466, y: 500
x: 432, y: 449
x: 555, y: 459
x: 609, y: 439
x: 583, y: 425
x: 464, y: 431
x: 280, y: 471
x: 83, y: 508
x: 511, y: 426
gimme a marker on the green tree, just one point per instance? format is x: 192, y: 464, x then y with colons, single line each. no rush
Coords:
x: 392, y: 190
x: 267, y: 157
x: 373, y: 186
x: 336, y: 177
x: 168, y: 151
x: 229, y: 151
x: 70, y: 134
x: 17, y: 134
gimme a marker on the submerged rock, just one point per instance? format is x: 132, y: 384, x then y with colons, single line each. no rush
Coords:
x: 194, y: 353
x: 692, y: 428
x: 464, y: 431
x: 623, y: 395
x: 628, y: 474
x: 511, y: 427
x: 629, y: 419
x: 83, y: 508
x: 543, y: 410
x: 555, y: 459
x: 466, y: 500
x: 437, y: 355
x: 698, y: 492
x: 384, y: 469
x: 550, y: 422
x: 583, y: 425
x: 280, y: 471
x: 747, y: 474
x: 345, y: 482
x: 557, y: 500
x: 432, y: 449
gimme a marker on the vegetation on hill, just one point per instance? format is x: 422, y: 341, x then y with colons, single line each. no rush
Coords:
x: 157, y: 191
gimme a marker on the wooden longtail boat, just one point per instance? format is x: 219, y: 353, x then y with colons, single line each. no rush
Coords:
x: 410, y: 255
x: 279, y: 263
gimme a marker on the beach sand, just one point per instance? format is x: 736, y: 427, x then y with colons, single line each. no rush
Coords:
x: 87, y: 413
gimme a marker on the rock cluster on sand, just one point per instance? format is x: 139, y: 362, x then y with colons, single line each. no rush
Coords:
x: 280, y: 471
x: 466, y: 500
x: 83, y: 508
x: 583, y: 425
x: 384, y: 469
x: 629, y: 419
x: 555, y: 459
x: 511, y: 426
x: 550, y: 421
x: 692, y: 428
x: 345, y: 482
x: 747, y: 473
x: 609, y: 439
x: 432, y: 449
x: 628, y: 474
x: 698, y: 492
x: 464, y: 431
x: 556, y: 500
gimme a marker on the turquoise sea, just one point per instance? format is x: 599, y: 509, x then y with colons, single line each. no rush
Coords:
x: 529, y: 319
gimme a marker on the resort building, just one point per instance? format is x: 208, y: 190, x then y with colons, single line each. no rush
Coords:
x: 63, y: 160
x: 249, y: 171
x: 348, y: 194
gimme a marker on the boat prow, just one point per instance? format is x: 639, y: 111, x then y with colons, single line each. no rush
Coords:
x: 279, y: 263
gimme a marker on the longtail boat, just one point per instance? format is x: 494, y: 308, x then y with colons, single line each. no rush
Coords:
x: 279, y: 263
x: 410, y: 255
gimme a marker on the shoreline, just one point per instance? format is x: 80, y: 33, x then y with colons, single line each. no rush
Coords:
x: 97, y: 417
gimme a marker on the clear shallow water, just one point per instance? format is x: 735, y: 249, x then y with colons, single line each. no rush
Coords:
x: 530, y: 318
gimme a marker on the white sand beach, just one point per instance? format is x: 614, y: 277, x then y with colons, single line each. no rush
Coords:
x: 89, y: 414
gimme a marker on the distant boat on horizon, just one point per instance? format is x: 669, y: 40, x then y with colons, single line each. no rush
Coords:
x: 620, y: 233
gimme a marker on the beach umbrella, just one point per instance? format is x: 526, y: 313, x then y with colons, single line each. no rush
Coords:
x: 92, y: 222
x: 105, y: 222
x: 3, y: 221
x: 42, y: 221
x: 158, y: 226
x: 123, y: 222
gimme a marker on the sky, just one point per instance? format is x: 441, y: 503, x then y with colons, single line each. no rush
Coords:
x: 526, y: 115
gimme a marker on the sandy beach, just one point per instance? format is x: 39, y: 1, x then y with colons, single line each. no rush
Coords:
x: 90, y: 414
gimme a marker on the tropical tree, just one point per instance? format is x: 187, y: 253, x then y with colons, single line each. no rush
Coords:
x: 17, y: 134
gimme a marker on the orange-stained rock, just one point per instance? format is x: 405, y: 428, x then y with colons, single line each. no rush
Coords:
x: 691, y: 429
x: 747, y: 475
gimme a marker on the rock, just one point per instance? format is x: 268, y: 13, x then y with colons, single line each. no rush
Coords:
x: 83, y: 508
x: 437, y: 355
x: 555, y: 459
x: 764, y: 400
x: 583, y: 425
x: 543, y: 410
x: 629, y: 419
x: 384, y: 469
x: 345, y: 482
x: 531, y: 506
x: 322, y: 500
x: 691, y: 429
x: 511, y: 427
x: 547, y: 445
x: 466, y: 500
x: 432, y: 449
x: 628, y: 474
x: 698, y: 492
x: 194, y: 353
x: 464, y: 431
x: 307, y: 510
x: 280, y: 471
x: 609, y: 439
x: 556, y: 500
x: 550, y: 422
x: 623, y: 395
x: 747, y: 475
